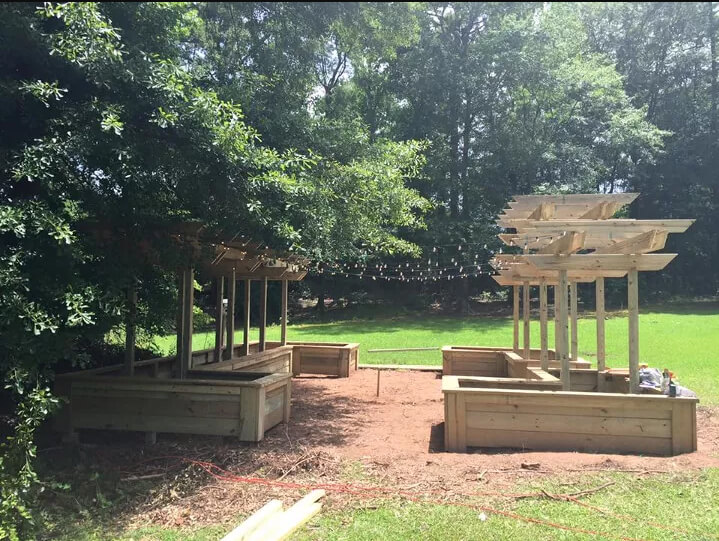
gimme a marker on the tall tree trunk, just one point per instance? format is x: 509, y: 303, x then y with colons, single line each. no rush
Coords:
x: 453, y: 125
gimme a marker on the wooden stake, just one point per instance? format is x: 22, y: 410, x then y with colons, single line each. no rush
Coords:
x: 515, y: 317
x: 544, y: 354
x: 230, y: 318
x: 246, y: 319
x: 633, y: 304
x: 180, y: 323
x: 263, y: 315
x: 555, y: 307
x: 574, y: 304
x: 130, y: 330
x: 255, y: 521
x: 525, y: 312
x: 283, y: 338
x: 219, y: 309
x: 378, y: 373
x: 601, y: 355
x: 564, y: 346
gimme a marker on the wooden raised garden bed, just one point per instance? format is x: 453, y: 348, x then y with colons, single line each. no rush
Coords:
x: 324, y: 358
x: 478, y: 416
x: 492, y: 361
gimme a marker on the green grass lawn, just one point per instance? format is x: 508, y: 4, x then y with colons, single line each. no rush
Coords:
x: 686, y: 502
x: 683, y: 339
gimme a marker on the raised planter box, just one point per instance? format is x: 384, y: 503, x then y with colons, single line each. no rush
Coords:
x: 238, y: 404
x: 277, y: 360
x: 324, y: 358
x: 491, y: 361
x: 477, y: 416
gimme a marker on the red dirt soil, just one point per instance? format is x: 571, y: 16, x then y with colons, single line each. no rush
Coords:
x: 402, y: 430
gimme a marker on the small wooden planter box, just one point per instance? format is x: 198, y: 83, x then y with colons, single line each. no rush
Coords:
x: 324, y: 358
x: 490, y: 361
x: 476, y: 416
x: 277, y: 360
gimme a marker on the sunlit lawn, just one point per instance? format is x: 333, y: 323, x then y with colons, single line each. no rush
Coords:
x: 684, y: 340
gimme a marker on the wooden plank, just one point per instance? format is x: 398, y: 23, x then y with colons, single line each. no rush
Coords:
x: 601, y: 341
x: 246, y: 313
x: 566, y: 244
x: 544, y: 346
x: 555, y: 310
x: 255, y: 521
x: 567, y: 441
x: 564, y: 345
x: 594, y: 226
x: 219, y: 309
x: 591, y: 262
x: 450, y: 424
x: 573, y: 318
x: 576, y: 424
x: 532, y: 200
x: 633, y: 306
x: 263, y: 314
x: 638, y: 413
x: 283, y: 312
x: 545, y: 211
x: 515, y: 316
x: 230, y: 319
x: 130, y: 323
x: 602, y: 211
x: 525, y: 314
x: 650, y: 241
x: 180, y: 323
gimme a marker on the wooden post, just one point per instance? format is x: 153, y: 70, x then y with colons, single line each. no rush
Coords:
x: 557, y: 334
x: 180, y: 322
x: 515, y: 317
x: 187, y: 328
x: 575, y: 339
x: 263, y: 315
x: 283, y: 339
x: 130, y: 330
x: 601, y: 353
x: 219, y: 309
x: 563, y: 342
x: 544, y: 354
x: 246, y: 312
x: 633, y: 304
x: 230, y: 317
x: 525, y: 313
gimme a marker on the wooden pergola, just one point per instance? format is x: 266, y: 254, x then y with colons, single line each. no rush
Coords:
x: 566, y: 239
x: 227, y: 261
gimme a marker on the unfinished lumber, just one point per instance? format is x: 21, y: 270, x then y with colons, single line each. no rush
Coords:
x: 650, y: 241
x: 285, y: 524
x: 563, y: 344
x: 263, y: 314
x: 569, y: 243
x: 255, y: 521
x: 573, y: 314
x: 633, y: 305
x: 246, y: 318
x: 544, y: 354
x: 515, y: 317
x: 230, y: 319
x: 601, y: 341
x: 525, y: 313
x: 219, y: 310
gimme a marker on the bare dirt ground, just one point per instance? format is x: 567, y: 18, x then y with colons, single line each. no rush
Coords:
x: 341, y: 432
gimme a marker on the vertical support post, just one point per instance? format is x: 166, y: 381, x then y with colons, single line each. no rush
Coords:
x: 557, y: 333
x: 263, y: 315
x: 525, y: 314
x: 230, y: 318
x: 180, y: 322
x: 563, y: 342
x: 246, y: 319
x: 283, y: 339
x: 633, y: 304
x: 573, y: 309
x: 515, y: 317
x: 130, y: 330
x: 544, y: 354
x: 219, y: 309
x: 187, y: 328
x: 601, y: 349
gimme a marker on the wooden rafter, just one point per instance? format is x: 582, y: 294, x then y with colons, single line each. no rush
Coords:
x: 650, y: 241
x: 566, y: 244
x: 591, y: 262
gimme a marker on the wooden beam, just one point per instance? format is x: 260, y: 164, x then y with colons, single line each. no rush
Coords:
x: 555, y: 309
x: 263, y: 314
x: 568, y: 243
x: 525, y: 313
x: 573, y: 312
x: 283, y: 336
x: 620, y: 224
x: 180, y: 323
x: 130, y: 327
x: 219, y: 310
x: 188, y: 304
x: 545, y: 211
x: 601, y: 356
x: 572, y: 199
x: 601, y: 211
x: 591, y: 262
x: 544, y: 347
x: 633, y: 305
x: 246, y: 314
x: 650, y: 241
x: 563, y: 344
x: 515, y: 317
x: 230, y: 318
